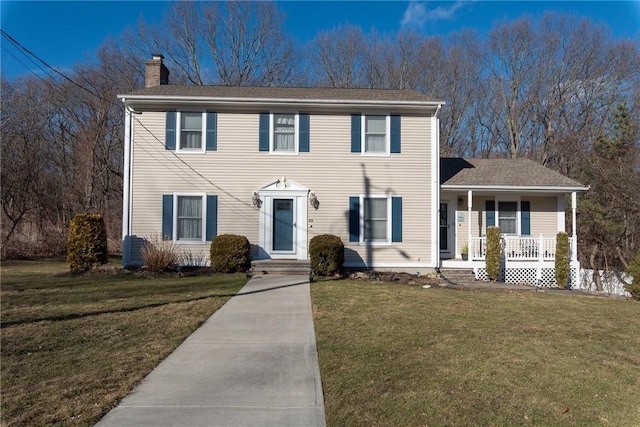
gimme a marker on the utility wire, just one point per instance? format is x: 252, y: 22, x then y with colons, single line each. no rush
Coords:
x: 20, y: 46
x: 17, y: 43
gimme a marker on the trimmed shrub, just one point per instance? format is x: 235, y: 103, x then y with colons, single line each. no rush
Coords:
x: 230, y: 253
x: 160, y: 255
x: 327, y: 254
x: 494, y: 252
x: 634, y: 270
x: 562, y: 259
x: 87, y: 244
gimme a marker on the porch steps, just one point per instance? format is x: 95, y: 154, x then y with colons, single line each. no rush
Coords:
x: 457, y: 276
x: 281, y: 267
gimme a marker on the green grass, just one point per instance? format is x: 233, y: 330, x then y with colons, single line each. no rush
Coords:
x: 394, y: 355
x: 74, y: 345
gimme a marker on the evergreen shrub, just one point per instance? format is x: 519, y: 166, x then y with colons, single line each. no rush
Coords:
x: 562, y: 259
x: 327, y: 254
x: 87, y: 244
x: 634, y: 270
x: 230, y: 253
x: 493, y: 253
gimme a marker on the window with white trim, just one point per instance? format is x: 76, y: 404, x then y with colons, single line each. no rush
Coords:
x: 375, y: 135
x: 191, y: 131
x: 189, y: 218
x: 508, y: 217
x: 375, y: 219
x: 284, y: 137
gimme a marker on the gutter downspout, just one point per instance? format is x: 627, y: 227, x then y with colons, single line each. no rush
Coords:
x: 435, y: 209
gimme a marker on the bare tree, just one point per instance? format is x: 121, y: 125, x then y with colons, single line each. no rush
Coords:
x: 247, y: 43
x: 336, y: 56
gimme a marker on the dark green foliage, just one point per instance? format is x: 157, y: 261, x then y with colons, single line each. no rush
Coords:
x: 562, y: 259
x: 327, y: 254
x: 87, y: 244
x: 634, y: 270
x: 494, y: 252
x: 230, y: 253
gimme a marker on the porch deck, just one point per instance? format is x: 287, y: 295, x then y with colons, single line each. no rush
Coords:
x: 525, y: 259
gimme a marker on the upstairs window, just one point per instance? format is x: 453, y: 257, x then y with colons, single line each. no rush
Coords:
x: 375, y: 135
x: 190, y: 131
x: 284, y: 133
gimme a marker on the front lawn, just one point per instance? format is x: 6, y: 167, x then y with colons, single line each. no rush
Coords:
x: 393, y: 355
x: 74, y: 345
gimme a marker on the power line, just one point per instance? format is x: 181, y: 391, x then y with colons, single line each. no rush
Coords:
x: 15, y: 42
x: 64, y: 76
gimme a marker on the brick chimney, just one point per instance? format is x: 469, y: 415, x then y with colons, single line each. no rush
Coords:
x: 156, y: 73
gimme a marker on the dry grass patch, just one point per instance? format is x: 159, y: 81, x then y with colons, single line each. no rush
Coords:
x: 399, y: 355
x: 74, y: 345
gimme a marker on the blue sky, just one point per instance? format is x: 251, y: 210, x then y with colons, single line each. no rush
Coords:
x: 63, y: 33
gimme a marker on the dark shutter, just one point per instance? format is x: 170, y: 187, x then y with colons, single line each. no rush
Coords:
x: 395, y: 134
x: 396, y: 219
x: 354, y: 219
x: 525, y: 218
x: 212, y: 131
x: 356, y: 133
x: 212, y: 217
x: 491, y: 213
x: 170, y: 134
x: 303, y: 133
x: 263, y: 143
x: 167, y: 217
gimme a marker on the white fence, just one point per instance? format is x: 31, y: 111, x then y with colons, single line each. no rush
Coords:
x: 611, y: 284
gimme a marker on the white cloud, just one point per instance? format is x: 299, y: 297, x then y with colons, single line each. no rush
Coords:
x: 418, y: 13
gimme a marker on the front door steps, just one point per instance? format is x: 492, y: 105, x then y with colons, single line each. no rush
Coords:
x: 281, y: 267
x: 457, y: 276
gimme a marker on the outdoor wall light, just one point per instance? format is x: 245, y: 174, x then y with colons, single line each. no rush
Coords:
x: 255, y: 198
x: 459, y: 201
x: 313, y: 199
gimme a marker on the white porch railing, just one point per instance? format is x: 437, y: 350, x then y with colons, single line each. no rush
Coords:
x: 520, y: 248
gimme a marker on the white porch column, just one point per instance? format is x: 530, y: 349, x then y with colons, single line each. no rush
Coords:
x: 469, y: 243
x: 574, y: 235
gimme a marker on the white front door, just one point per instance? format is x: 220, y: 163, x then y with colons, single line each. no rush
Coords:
x: 283, y: 221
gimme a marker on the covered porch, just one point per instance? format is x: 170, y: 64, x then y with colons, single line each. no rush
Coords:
x: 529, y: 203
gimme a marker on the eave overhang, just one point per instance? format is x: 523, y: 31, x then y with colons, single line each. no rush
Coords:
x: 163, y: 102
x: 513, y: 188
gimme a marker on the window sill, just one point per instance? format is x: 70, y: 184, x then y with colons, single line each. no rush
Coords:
x: 387, y: 243
x: 194, y: 151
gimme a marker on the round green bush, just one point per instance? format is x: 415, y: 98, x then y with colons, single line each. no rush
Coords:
x: 230, y: 253
x: 494, y: 252
x: 562, y: 259
x: 327, y: 254
x: 87, y: 244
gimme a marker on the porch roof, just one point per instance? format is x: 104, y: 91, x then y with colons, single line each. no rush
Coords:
x: 503, y: 175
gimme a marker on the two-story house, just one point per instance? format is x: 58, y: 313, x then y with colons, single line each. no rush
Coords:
x: 280, y: 165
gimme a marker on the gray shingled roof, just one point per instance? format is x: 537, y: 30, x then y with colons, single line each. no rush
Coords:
x: 293, y: 93
x: 500, y: 173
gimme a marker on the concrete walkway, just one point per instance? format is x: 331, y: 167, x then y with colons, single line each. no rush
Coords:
x: 253, y: 363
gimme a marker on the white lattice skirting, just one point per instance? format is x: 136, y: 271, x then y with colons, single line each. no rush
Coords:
x: 543, y: 277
